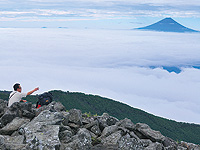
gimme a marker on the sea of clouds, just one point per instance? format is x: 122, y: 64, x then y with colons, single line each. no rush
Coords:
x: 111, y: 63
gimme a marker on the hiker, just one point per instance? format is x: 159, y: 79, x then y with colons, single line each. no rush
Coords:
x: 16, y: 95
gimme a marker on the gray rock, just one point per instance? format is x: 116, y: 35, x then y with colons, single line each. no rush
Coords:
x: 28, y: 114
x: 12, y: 143
x: 95, y: 129
x: 81, y: 141
x: 112, y: 139
x: 148, y: 133
x: 126, y: 123
x: 106, y: 120
x: 128, y: 143
x: 7, y: 117
x: 66, y: 118
x: 75, y: 116
x: 105, y: 147
x: 154, y: 146
x: 51, y: 118
x: 109, y: 130
x: 40, y: 135
x: 3, y: 107
x: 169, y: 143
x: 65, y: 136
x: 13, y: 126
x: 189, y: 146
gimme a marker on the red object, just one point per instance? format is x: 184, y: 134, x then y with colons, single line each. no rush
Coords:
x: 38, y: 106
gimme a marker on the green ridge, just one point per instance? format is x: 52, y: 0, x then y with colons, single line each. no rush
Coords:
x: 94, y: 104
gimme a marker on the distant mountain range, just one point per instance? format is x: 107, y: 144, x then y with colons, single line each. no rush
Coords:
x: 94, y: 104
x: 167, y: 25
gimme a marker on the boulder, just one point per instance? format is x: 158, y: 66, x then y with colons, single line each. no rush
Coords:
x: 126, y: 123
x: 75, y: 116
x: 80, y: 141
x: 128, y: 143
x: 155, y: 146
x: 51, y: 118
x: 109, y: 130
x: 3, y: 107
x: 144, y: 131
x: 112, y: 139
x: 13, y: 126
x: 40, y: 135
x: 106, y: 120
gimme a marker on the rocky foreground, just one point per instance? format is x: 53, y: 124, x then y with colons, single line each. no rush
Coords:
x: 51, y: 127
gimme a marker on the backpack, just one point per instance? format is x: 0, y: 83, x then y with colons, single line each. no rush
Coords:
x: 44, y: 99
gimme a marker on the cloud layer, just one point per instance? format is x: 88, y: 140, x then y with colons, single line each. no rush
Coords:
x: 110, y: 63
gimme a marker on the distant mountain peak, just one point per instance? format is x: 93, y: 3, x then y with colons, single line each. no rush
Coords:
x: 167, y: 25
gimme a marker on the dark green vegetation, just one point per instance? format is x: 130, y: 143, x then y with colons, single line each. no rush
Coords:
x: 97, y: 105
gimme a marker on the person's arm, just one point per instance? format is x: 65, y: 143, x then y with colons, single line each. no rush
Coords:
x: 29, y: 93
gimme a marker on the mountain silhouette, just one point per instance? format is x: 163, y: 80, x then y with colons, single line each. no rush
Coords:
x: 168, y: 25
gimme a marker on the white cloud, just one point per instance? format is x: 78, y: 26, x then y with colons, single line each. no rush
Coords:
x: 110, y: 63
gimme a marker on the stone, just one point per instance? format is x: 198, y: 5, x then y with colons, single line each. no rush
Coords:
x: 126, y: 123
x: 81, y: 141
x: 40, y: 135
x: 65, y: 136
x: 148, y: 133
x: 109, y: 130
x: 154, y: 146
x: 3, y: 107
x: 75, y: 116
x: 104, y: 147
x: 13, y: 126
x: 128, y: 143
x: 95, y: 129
x: 169, y: 143
x: 28, y: 114
x: 51, y: 118
x: 112, y: 139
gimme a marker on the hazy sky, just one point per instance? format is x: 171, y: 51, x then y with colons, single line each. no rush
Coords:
x: 97, y: 53
x: 118, y: 14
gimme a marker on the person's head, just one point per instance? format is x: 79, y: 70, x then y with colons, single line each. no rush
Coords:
x: 17, y: 87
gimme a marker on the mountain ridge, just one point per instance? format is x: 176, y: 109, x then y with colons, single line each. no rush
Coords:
x: 167, y: 25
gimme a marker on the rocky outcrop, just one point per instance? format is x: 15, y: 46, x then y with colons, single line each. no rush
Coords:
x: 22, y: 127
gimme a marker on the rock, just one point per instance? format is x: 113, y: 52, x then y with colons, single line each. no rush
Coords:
x: 65, y: 136
x: 95, y: 129
x: 106, y: 120
x: 50, y: 118
x: 109, y: 130
x: 104, y: 147
x: 40, y: 135
x: 169, y: 143
x: 3, y: 107
x: 112, y: 139
x: 15, y: 110
x: 28, y: 114
x: 12, y: 143
x: 126, y: 123
x: 81, y: 141
x: 13, y: 126
x: 66, y: 118
x: 155, y: 146
x: 7, y: 117
x: 189, y: 146
x: 148, y: 133
x: 128, y: 143
x: 75, y: 116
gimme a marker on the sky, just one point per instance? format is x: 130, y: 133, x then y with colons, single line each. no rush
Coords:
x: 117, y: 14
x: 95, y: 52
